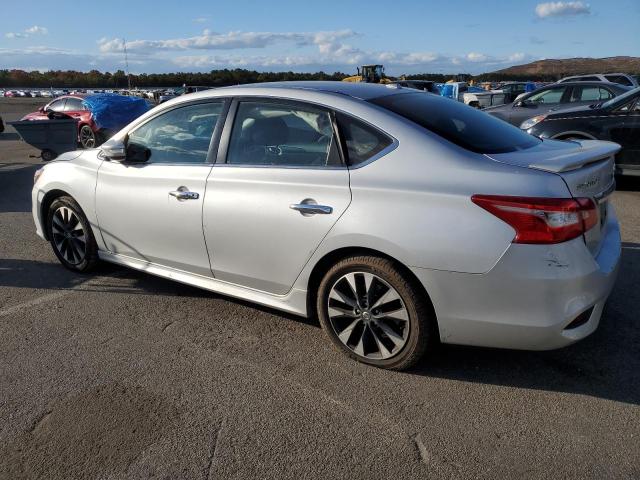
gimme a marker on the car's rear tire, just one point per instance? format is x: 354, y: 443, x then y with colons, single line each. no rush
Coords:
x: 374, y: 313
x: 87, y: 137
x: 70, y: 235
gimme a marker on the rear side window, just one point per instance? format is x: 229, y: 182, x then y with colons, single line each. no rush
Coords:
x: 621, y: 79
x: 456, y: 122
x: 363, y: 142
x: 282, y: 135
x: 74, y: 105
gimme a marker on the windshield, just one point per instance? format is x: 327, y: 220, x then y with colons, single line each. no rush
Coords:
x: 620, y: 100
x: 460, y: 124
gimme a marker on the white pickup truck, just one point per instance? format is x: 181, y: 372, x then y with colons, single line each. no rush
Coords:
x: 473, y: 96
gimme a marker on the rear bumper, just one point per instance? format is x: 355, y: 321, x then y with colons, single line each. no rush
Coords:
x: 531, y: 295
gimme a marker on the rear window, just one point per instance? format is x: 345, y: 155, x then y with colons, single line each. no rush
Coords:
x: 465, y: 126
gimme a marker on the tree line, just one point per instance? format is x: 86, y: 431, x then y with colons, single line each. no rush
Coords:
x: 214, y: 78
x: 118, y: 79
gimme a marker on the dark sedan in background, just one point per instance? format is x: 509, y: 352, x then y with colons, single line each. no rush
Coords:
x: 617, y: 120
x: 556, y: 97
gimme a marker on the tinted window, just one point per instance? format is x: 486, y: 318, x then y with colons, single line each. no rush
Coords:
x: 621, y: 99
x: 362, y: 141
x: 266, y: 133
x: 589, y: 94
x: 619, y: 79
x: 551, y: 96
x: 181, y: 135
x: 73, y: 105
x: 465, y: 126
x: 57, y: 106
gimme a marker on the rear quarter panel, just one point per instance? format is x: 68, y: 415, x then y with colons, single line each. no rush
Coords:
x: 414, y: 204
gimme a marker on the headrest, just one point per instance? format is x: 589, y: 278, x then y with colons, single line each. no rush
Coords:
x: 269, y: 131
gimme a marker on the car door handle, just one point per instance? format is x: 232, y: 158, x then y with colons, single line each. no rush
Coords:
x: 185, y: 195
x: 311, y: 208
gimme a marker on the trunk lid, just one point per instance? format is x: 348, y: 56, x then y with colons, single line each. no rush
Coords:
x: 586, y: 166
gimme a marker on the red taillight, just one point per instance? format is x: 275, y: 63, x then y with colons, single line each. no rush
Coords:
x: 542, y: 220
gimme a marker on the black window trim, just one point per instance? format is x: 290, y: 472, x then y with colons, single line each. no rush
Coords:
x: 223, y: 145
x: 215, y: 137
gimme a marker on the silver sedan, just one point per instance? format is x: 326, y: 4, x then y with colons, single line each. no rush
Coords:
x: 398, y: 218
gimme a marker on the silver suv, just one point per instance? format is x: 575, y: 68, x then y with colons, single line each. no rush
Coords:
x: 621, y: 78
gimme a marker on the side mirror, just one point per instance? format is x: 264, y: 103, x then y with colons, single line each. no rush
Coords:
x: 114, y: 151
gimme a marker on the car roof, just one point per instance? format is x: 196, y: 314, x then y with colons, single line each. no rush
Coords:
x: 590, y: 83
x: 360, y: 90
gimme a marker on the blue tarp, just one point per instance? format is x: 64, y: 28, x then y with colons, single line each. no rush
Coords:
x: 113, y: 111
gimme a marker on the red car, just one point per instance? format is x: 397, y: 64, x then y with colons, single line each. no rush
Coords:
x: 72, y: 106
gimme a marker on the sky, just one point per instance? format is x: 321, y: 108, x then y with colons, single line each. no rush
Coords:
x: 416, y: 36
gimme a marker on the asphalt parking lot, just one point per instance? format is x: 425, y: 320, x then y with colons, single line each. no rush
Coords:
x: 123, y: 375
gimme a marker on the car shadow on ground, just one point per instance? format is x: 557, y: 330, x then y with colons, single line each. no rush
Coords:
x: 16, y: 181
x: 605, y: 365
x: 112, y: 279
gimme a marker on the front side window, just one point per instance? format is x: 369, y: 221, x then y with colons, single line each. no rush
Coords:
x: 458, y: 123
x: 56, y: 106
x: 181, y: 135
x: 551, y: 96
x: 288, y: 135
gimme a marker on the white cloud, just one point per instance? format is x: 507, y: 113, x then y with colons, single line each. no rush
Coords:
x: 37, y: 30
x: 476, y: 57
x: 227, y: 41
x: 516, y: 57
x: 561, y: 9
x: 204, y: 19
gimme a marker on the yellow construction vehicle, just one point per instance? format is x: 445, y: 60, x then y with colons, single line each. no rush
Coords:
x: 369, y: 74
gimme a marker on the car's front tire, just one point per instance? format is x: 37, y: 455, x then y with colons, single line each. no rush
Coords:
x: 70, y: 235
x: 374, y: 313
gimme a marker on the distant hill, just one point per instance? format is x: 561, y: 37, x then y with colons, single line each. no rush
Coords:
x: 555, y: 69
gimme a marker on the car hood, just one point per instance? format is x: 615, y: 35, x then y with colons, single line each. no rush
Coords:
x: 69, y: 156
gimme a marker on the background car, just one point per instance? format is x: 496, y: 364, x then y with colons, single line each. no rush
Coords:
x: 396, y: 217
x: 426, y: 85
x: 617, y: 120
x: 72, y: 106
x: 512, y: 90
x: 555, y: 97
x: 620, y: 78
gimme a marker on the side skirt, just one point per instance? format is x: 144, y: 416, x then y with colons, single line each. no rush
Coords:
x: 293, y: 302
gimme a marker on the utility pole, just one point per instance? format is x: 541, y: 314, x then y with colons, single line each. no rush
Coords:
x: 126, y: 62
